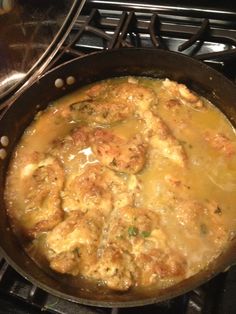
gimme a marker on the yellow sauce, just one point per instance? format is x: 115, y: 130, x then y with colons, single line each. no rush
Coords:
x: 164, y: 187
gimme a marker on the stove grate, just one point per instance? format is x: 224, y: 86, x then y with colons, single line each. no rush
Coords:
x: 208, y: 39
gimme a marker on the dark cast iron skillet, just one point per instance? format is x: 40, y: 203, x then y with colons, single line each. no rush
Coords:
x: 98, y: 66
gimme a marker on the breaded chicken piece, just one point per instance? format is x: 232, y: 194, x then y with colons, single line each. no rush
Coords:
x: 97, y: 187
x: 115, y: 268
x: 138, y: 231
x: 221, y: 143
x: 135, y: 250
x: 161, y: 139
x: 72, y: 244
x: 106, y: 104
x: 65, y: 147
x: 204, y: 219
x: 42, y: 180
x: 102, y: 107
x: 157, y: 264
x: 128, y: 226
x: 140, y: 97
x: 117, y: 153
x: 183, y: 94
x: 87, y: 191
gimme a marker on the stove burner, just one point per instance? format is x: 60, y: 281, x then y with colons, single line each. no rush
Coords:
x: 154, y: 30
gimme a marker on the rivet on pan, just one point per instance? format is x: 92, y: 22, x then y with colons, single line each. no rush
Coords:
x: 4, y: 140
x: 3, y: 153
x: 7, y: 5
x: 59, y: 83
x: 70, y: 80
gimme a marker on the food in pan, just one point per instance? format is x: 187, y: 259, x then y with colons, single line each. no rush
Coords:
x: 128, y: 183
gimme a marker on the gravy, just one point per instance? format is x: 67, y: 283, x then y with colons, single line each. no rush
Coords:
x: 128, y: 182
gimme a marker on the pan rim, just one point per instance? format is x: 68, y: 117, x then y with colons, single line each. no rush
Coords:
x: 112, y: 304
x: 99, y: 303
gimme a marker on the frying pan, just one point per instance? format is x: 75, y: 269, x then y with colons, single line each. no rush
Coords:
x: 142, y: 62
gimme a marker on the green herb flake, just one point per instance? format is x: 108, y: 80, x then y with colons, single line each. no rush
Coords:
x: 203, y: 229
x: 133, y: 231
x: 77, y: 251
x: 145, y: 234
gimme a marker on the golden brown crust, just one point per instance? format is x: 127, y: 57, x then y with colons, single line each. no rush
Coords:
x: 119, y: 154
x: 221, y: 143
x: 139, y: 232
x: 162, y: 142
x: 42, y: 180
x: 183, y: 94
x: 97, y: 187
x: 106, y: 104
x: 202, y: 220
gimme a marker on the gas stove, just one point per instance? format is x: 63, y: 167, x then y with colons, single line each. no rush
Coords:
x: 207, y: 34
x: 203, y: 31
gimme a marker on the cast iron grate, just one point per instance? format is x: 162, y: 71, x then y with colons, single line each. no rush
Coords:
x: 209, y: 39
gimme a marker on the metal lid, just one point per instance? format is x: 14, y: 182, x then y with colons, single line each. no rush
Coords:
x: 31, y: 32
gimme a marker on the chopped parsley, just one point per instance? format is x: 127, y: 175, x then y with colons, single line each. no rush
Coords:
x: 133, y: 231
x: 203, y: 229
x: 145, y: 234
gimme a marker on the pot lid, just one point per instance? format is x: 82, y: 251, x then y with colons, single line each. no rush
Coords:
x: 31, y: 32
